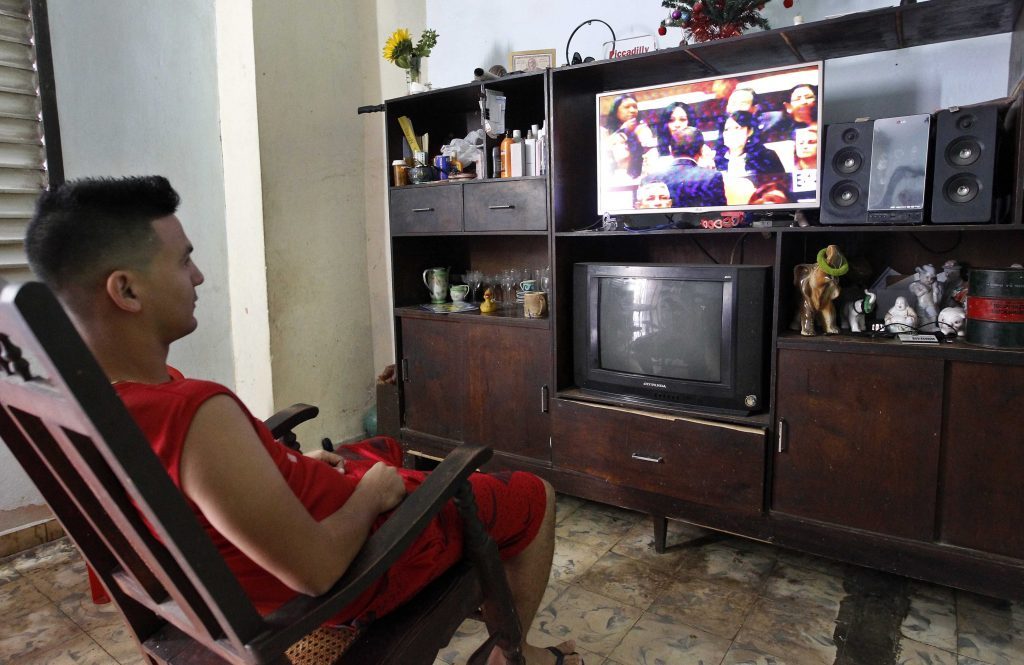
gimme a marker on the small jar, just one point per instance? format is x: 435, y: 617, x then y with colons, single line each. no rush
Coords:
x: 400, y: 173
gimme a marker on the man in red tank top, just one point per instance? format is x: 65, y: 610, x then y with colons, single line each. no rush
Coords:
x: 121, y: 264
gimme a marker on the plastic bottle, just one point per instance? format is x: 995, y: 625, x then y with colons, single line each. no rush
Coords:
x: 517, y: 157
x: 506, y: 155
x: 541, y: 159
x: 530, y: 152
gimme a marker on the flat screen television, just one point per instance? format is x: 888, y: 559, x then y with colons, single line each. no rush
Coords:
x: 682, y: 335
x: 742, y: 142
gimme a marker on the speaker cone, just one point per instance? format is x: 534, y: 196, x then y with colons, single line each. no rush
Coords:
x: 964, y: 151
x: 845, y: 194
x: 847, y: 161
x: 962, y: 188
x: 850, y: 135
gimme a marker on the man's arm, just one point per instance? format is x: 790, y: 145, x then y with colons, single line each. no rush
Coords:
x: 226, y: 471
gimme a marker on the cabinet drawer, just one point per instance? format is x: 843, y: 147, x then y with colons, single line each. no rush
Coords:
x: 432, y: 209
x: 702, y: 462
x: 514, y: 205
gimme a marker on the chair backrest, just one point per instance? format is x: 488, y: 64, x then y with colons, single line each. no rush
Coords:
x: 67, y: 427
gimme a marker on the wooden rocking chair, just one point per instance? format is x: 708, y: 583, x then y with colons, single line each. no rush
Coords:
x: 69, y: 430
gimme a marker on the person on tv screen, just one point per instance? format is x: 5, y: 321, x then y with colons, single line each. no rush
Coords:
x: 689, y: 184
x: 742, y: 157
x: 743, y: 98
x: 629, y: 137
x: 773, y: 192
x: 653, y: 194
x: 805, y: 162
x: 672, y: 121
x: 802, y: 108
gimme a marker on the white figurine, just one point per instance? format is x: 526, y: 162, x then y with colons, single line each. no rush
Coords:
x: 951, y: 320
x: 954, y: 283
x: 928, y: 289
x: 901, y: 318
x: 856, y: 309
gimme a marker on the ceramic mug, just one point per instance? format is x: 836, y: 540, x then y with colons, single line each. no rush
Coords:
x: 458, y: 292
x: 528, y: 285
x: 535, y: 304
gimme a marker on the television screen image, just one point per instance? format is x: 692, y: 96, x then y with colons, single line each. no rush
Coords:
x: 738, y: 142
x: 674, y: 334
x: 662, y: 328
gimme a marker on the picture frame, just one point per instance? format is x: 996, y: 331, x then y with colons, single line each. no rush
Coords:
x: 531, y: 61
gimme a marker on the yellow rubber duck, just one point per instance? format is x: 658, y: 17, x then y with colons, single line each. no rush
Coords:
x: 488, y: 305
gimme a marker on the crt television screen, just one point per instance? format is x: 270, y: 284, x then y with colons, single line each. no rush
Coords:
x: 738, y: 142
x: 661, y: 327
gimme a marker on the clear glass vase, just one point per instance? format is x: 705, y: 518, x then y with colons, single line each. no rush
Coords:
x: 413, y: 75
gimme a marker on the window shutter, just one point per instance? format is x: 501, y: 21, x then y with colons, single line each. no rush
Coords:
x: 26, y: 91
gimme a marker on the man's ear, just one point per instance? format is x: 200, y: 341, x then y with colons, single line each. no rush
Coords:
x: 120, y: 287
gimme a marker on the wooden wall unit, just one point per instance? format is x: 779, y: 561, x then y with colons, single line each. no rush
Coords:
x: 905, y: 458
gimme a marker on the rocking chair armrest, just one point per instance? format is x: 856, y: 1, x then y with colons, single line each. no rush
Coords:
x: 302, y: 614
x: 285, y: 420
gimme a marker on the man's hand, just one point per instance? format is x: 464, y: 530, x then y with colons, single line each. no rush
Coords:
x: 327, y: 457
x: 385, y: 485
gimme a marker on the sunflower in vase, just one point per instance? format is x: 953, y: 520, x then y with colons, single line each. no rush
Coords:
x: 400, y: 50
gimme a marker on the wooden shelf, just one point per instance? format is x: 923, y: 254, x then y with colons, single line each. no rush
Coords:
x: 848, y: 343
x: 512, y: 316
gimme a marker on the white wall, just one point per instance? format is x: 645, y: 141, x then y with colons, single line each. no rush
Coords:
x: 311, y: 149
x: 139, y: 92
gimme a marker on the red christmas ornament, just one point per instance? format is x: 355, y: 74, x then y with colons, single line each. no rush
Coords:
x: 662, y: 31
x: 788, y: 4
x: 698, y: 9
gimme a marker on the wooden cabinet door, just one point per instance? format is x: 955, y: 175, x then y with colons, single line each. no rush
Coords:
x: 982, y: 502
x: 433, y: 377
x: 507, y: 373
x: 861, y: 440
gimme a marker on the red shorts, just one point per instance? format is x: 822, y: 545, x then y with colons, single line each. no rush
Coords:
x: 511, y: 507
x: 510, y: 504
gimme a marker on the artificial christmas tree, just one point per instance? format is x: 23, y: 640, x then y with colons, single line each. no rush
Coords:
x: 704, y: 20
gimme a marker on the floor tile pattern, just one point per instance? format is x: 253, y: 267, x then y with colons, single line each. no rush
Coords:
x: 711, y: 599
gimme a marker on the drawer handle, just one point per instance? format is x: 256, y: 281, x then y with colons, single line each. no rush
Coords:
x: 507, y: 206
x: 423, y: 210
x: 648, y: 458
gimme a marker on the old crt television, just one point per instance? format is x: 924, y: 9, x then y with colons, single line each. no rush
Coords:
x: 683, y: 335
x: 742, y: 142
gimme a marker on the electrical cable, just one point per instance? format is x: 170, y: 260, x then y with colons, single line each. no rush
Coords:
x: 701, y: 248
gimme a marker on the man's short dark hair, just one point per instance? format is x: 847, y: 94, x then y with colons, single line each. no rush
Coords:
x: 86, y: 228
x: 690, y: 144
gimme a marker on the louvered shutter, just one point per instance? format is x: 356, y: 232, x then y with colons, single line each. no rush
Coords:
x: 26, y: 86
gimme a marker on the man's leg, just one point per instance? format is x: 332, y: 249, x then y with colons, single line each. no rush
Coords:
x: 528, y: 574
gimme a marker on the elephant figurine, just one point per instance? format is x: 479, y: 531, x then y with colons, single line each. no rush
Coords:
x: 817, y: 287
x: 856, y: 311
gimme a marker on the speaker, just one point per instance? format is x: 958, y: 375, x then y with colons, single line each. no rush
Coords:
x: 900, y: 176
x: 845, y: 173
x: 963, y: 183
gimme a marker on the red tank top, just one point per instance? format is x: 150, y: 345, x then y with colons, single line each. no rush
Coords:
x: 165, y: 411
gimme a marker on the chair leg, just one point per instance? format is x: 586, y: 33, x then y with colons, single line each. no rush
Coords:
x: 660, y: 532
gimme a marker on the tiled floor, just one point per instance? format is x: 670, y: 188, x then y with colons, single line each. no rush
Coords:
x: 709, y: 600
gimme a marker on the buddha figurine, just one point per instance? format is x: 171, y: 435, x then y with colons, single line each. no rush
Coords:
x: 488, y: 305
